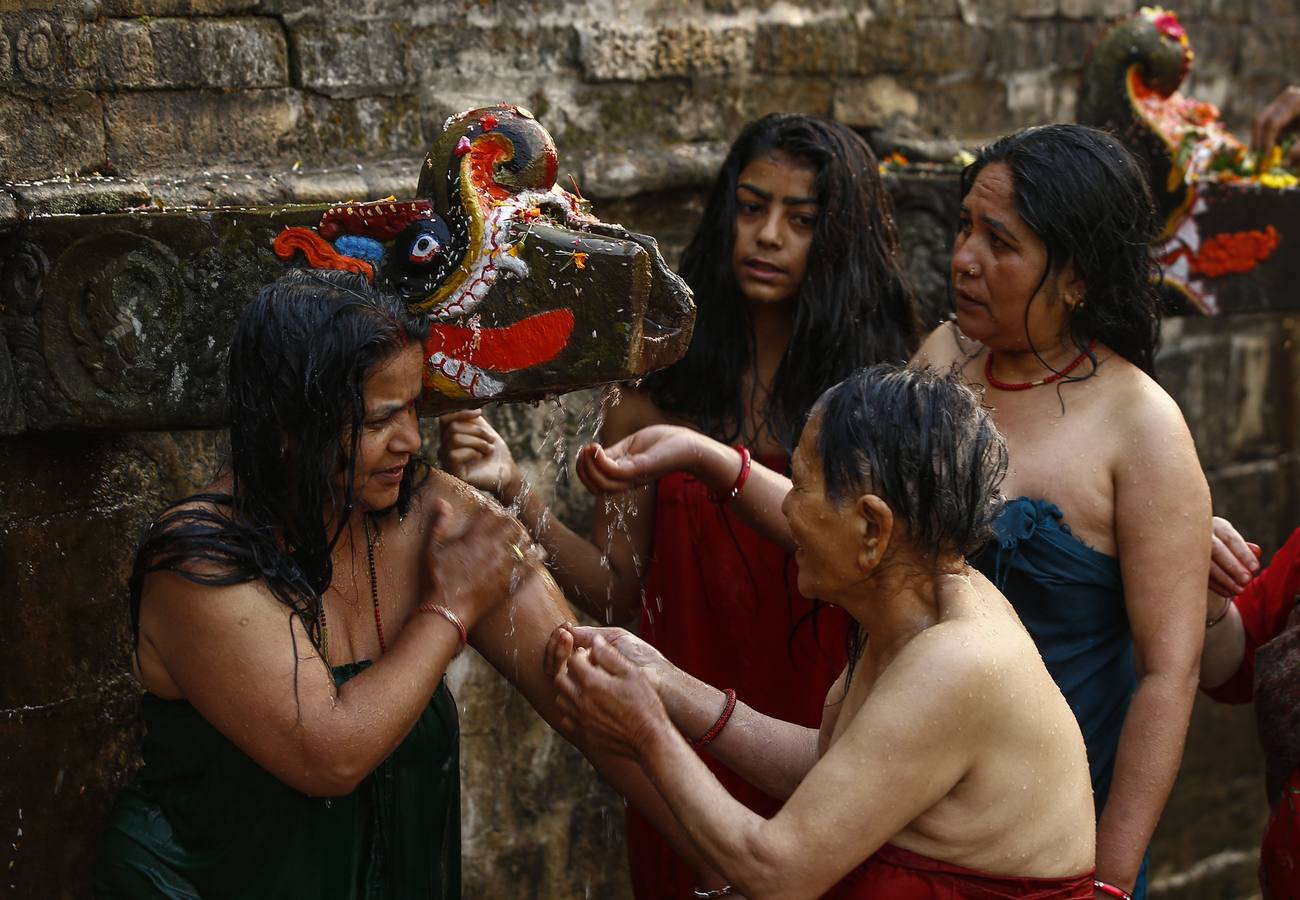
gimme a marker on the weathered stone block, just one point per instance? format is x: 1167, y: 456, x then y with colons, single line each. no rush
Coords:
x: 908, y: 9
x: 1269, y: 52
x: 887, y: 45
x: 1031, y: 95
x: 827, y: 47
x: 944, y: 47
x: 185, y: 53
x: 1021, y: 45
x: 1000, y: 10
x: 46, y: 51
x: 334, y: 131
x: 655, y: 168
x: 50, y: 135
x: 127, y: 8
x: 195, y: 128
x: 1222, y: 770
x: 619, y: 53
x: 325, y: 187
x: 507, y: 50
x: 875, y: 103
x: 352, y: 59
x: 91, y: 195
x: 974, y: 108
x: 1095, y: 9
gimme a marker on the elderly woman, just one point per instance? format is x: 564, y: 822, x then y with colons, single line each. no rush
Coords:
x: 1104, y: 552
x: 947, y: 763
x: 294, y: 622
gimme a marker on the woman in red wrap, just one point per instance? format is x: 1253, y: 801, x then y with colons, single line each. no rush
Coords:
x: 1252, y: 652
x: 798, y: 282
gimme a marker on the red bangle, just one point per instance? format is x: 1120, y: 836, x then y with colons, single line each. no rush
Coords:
x: 439, y: 610
x: 739, y: 483
x: 728, y: 708
x: 1110, y: 890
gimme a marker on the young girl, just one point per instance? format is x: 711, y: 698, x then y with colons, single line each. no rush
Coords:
x: 798, y: 282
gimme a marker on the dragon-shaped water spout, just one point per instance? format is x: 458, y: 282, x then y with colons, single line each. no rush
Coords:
x: 1225, y: 212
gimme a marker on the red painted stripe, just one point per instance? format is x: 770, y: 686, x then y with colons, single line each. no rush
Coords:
x: 527, y: 343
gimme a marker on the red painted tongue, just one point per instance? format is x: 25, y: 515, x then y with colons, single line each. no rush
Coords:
x: 527, y: 343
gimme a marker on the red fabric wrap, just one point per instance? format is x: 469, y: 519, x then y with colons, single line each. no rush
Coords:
x: 903, y: 875
x: 721, y: 602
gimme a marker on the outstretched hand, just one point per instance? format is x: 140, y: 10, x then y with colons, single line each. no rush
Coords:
x: 1280, y: 116
x: 640, y: 458
x: 473, y: 451
x: 604, y: 696
x: 1233, y: 560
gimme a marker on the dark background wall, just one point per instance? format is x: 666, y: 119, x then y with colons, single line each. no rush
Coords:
x: 106, y: 104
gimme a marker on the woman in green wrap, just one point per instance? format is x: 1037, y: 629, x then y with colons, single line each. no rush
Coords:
x: 294, y: 621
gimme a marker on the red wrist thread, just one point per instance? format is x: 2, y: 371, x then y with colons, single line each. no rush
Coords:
x: 745, y: 460
x: 1110, y: 890
x: 728, y: 708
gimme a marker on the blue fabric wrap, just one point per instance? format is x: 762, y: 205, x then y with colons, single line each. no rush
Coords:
x: 1071, y: 599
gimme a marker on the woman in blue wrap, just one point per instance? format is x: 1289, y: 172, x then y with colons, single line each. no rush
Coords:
x: 1104, y: 547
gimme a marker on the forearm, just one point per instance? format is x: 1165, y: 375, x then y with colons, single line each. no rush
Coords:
x: 1225, y: 647
x: 769, y: 753
x: 514, y: 645
x: 760, y: 499
x: 591, y: 576
x: 1150, y: 750
x: 731, y: 838
x: 374, y: 711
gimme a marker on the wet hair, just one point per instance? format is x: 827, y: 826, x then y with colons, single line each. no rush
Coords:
x: 299, y: 359
x: 1089, y: 201
x: 922, y: 442
x: 854, y: 306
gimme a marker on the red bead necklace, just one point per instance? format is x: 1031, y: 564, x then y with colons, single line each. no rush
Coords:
x: 994, y: 381
x: 374, y: 594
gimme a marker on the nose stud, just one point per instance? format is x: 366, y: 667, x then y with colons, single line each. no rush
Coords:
x: 971, y: 271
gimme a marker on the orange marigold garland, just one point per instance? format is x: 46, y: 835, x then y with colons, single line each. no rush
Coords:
x: 1230, y: 253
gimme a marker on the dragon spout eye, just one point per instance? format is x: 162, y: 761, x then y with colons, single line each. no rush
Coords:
x: 424, y: 242
x: 425, y: 248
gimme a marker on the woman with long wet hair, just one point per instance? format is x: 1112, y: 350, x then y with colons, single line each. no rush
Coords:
x: 798, y: 282
x: 293, y: 623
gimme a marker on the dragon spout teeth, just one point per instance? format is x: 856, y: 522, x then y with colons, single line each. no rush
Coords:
x: 471, y: 379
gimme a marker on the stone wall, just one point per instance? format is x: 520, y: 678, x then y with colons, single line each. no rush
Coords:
x: 231, y: 101
x: 244, y: 102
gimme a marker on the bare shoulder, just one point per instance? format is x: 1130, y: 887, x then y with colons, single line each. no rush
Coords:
x: 945, y: 349
x: 1142, y: 411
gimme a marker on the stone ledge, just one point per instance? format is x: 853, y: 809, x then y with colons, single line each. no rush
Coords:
x: 207, y: 189
x: 626, y: 173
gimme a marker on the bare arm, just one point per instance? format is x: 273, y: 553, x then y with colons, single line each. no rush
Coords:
x: 246, y: 664
x: 1233, y: 561
x: 771, y: 754
x: 602, y: 573
x: 513, y: 638
x: 893, y: 762
x: 1162, y: 527
x: 652, y: 452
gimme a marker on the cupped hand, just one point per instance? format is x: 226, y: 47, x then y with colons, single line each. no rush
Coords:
x: 1280, y: 116
x: 476, y: 561
x: 1233, y: 559
x: 640, y: 458
x: 609, y: 701
x: 471, y: 449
